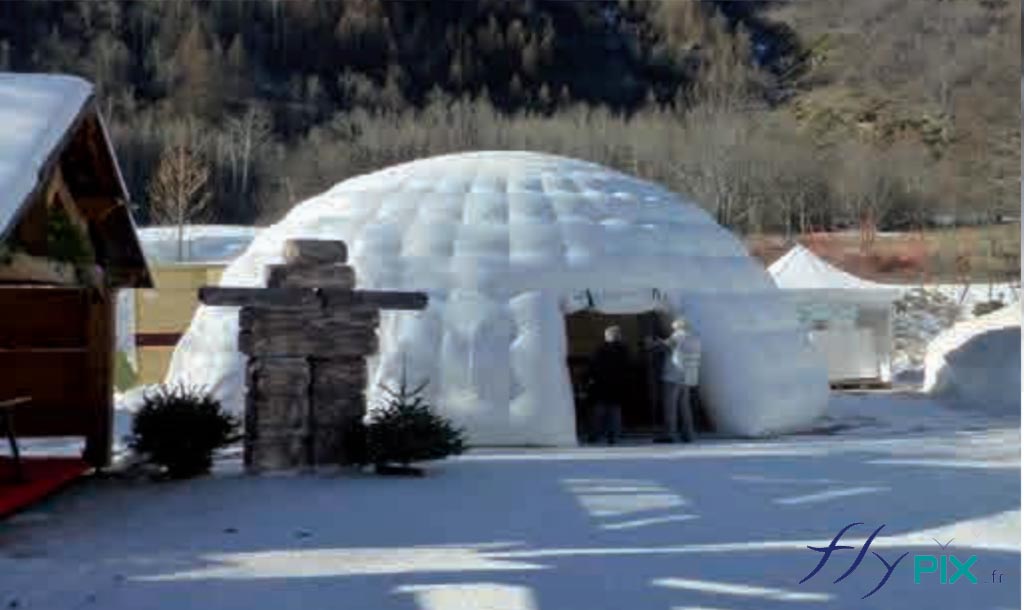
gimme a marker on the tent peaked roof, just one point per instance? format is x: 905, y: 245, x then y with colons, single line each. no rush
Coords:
x: 49, y: 123
x: 801, y: 269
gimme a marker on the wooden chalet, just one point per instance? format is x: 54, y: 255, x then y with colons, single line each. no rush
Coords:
x: 67, y: 244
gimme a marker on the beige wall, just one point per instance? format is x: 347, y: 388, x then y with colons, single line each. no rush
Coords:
x: 168, y: 309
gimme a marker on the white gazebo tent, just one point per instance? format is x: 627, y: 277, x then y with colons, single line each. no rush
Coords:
x: 849, y: 318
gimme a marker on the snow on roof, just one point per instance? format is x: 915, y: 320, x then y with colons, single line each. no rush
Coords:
x: 801, y: 269
x: 36, y: 110
x: 503, y: 242
x: 202, y: 243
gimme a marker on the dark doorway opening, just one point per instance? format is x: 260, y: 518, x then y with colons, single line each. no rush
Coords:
x: 585, y: 331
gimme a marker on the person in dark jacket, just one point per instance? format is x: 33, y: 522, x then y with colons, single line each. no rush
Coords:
x: 608, y: 382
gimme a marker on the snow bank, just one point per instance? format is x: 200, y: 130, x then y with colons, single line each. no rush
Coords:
x: 505, y: 244
x: 976, y: 364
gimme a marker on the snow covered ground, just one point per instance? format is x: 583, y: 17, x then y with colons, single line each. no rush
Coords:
x: 722, y: 524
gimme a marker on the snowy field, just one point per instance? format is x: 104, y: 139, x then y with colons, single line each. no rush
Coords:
x: 723, y: 524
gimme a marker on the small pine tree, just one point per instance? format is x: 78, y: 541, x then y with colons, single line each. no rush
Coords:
x: 179, y: 427
x: 408, y: 430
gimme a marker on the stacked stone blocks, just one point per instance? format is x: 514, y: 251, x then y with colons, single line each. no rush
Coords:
x: 307, y: 336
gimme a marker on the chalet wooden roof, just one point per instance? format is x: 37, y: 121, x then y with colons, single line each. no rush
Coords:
x: 50, y: 123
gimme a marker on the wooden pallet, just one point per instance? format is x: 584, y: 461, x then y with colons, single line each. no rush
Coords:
x: 861, y: 384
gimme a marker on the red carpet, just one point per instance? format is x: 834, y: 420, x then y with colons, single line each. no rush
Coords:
x: 43, y: 476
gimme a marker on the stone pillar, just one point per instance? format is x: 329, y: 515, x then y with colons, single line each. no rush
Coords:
x: 277, y: 412
x: 307, y: 336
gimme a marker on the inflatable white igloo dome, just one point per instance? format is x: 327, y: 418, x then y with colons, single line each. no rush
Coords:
x: 505, y: 244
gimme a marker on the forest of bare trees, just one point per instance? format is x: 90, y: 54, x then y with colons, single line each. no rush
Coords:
x: 777, y: 117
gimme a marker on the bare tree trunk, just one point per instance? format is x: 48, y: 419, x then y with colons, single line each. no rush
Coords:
x: 789, y: 222
x: 181, y: 239
x: 246, y: 151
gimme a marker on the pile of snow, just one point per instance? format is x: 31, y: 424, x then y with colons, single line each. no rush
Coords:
x: 976, y: 363
x: 504, y: 243
x: 200, y: 243
x: 36, y: 110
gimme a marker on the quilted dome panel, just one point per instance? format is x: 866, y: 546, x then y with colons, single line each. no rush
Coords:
x: 504, y: 243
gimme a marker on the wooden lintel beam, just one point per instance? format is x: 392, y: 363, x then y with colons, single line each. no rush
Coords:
x: 301, y: 298
x: 382, y: 299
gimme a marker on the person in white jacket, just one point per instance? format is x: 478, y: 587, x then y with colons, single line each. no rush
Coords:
x: 678, y: 377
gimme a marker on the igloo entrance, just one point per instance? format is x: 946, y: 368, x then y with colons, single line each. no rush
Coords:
x: 584, y: 331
